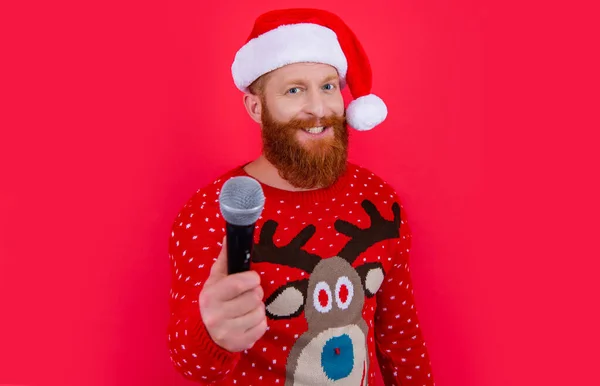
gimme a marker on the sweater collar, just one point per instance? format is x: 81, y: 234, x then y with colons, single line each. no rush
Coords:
x: 303, y: 196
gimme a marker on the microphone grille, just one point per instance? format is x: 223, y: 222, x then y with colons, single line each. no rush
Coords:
x: 241, y: 200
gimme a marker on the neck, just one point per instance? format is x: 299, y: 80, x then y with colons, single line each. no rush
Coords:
x: 264, y: 171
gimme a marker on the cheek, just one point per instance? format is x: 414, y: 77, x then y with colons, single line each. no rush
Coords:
x: 285, y: 110
x: 336, y: 105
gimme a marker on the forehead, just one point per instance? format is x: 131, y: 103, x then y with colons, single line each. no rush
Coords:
x: 303, y: 71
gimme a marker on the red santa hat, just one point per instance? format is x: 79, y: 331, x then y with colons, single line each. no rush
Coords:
x: 286, y: 36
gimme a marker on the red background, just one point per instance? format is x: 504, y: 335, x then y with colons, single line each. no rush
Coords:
x: 113, y: 114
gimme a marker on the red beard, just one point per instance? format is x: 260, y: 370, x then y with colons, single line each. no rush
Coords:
x: 317, y: 163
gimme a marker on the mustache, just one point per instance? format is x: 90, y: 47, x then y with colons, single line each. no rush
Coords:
x: 328, y: 121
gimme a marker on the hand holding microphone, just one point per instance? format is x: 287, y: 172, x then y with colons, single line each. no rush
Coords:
x: 231, y: 303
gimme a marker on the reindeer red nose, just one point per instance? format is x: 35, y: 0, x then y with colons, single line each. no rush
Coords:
x: 337, y: 351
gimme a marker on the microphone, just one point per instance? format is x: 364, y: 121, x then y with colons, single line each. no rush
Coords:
x: 241, y: 202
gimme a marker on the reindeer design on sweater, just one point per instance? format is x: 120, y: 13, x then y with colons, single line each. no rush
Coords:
x: 332, y: 299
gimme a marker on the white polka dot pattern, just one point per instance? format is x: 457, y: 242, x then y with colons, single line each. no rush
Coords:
x: 394, y: 336
x: 403, y: 358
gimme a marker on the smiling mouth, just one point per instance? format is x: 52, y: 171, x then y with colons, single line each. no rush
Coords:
x: 316, y: 130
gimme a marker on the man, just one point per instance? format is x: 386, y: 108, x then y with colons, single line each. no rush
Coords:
x: 329, y: 291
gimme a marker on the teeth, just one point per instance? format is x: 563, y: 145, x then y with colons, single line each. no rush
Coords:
x: 315, y: 130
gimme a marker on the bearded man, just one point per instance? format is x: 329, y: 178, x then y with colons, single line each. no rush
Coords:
x: 328, y: 294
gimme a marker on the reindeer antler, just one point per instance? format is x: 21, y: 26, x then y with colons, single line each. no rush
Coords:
x: 291, y: 255
x: 361, y: 239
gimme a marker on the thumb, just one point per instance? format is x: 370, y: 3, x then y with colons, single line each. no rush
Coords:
x: 219, y: 268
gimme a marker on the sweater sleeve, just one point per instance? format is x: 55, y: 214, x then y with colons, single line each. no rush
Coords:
x: 401, y: 348
x: 194, y: 244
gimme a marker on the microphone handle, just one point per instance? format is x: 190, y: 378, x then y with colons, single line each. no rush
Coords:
x: 240, y: 240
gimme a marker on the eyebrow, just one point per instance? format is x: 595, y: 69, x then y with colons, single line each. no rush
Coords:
x: 303, y: 81
x: 331, y: 77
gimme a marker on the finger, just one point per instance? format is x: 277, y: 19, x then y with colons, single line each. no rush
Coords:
x: 232, y: 286
x: 255, y: 333
x: 243, y: 304
x: 251, y: 319
x: 219, y: 267
x: 259, y: 292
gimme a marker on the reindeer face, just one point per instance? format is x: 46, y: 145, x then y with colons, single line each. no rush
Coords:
x: 332, y: 299
x: 335, y: 295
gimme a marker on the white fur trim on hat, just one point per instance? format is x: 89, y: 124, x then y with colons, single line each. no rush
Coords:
x: 293, y: 43
x: 366, y: 112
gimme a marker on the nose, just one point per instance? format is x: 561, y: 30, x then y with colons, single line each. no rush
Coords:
x: 315, y: 104
x: 337, y: 357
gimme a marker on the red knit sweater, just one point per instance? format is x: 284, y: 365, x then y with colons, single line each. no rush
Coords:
x: 334, y: 268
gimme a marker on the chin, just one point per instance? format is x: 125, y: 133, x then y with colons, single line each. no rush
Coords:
x: 318, y: 146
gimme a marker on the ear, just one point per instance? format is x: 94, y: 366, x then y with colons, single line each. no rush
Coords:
x: 253, y: 106
x: 288, y: 301
x: 371, y: 276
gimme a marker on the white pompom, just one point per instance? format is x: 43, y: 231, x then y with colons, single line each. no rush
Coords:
x: 366, y: 112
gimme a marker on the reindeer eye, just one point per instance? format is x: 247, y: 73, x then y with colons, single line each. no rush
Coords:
x: 322, y: 298
x: 344, y: 291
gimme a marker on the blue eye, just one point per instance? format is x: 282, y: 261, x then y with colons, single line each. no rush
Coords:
x: 328, y: 86
x: 291, y: 91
